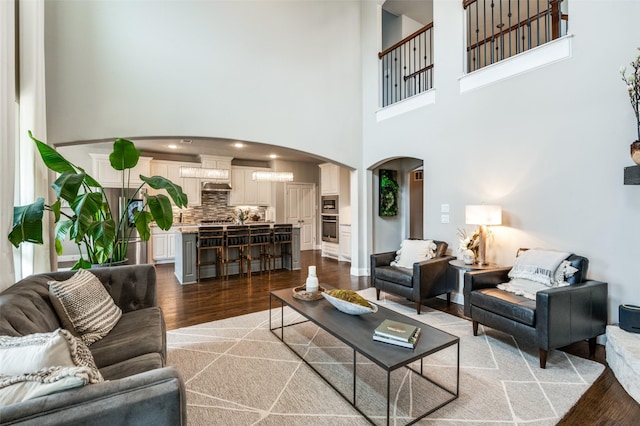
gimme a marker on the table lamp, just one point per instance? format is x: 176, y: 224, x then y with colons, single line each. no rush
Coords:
x: 483, y: 215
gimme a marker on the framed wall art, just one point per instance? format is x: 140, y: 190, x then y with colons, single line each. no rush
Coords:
x: 388, y: 192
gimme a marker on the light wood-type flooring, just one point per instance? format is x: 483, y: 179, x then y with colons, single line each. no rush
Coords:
x: 605, y: 403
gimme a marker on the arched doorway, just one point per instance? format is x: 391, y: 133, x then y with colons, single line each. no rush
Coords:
x: 388, y: 231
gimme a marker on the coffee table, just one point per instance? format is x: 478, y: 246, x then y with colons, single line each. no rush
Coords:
x: 356, y: 331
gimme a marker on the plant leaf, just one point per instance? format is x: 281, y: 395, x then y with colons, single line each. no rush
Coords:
x: 142, y: 221
x: 89, y: 180
x: 55, y: 208
x: 103, y: 235
x: 160, y: 208
x: 52, y: 159
x: 62, y: 228
x: 86, y: 207
x: 124, y: 155
x: 27, y: 223
x: 175, y: 191
x: 81, y: 264
x: 67, y: 185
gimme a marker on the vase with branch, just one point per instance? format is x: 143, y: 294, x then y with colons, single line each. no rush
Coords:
x: 632, y: 80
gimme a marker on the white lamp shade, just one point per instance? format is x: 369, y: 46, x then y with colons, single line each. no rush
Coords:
x: 483, y: 215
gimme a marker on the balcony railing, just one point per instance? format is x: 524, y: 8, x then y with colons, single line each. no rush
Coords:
x: 407, y: 66
x: 498, y: 29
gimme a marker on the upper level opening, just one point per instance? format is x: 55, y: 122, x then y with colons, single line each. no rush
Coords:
x: 499, y: 29
x: 407, y: 55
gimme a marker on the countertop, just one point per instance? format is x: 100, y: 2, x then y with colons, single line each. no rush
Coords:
x: 193, y: 228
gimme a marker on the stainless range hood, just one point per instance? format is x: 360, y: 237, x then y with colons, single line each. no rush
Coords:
x: 215, y: 187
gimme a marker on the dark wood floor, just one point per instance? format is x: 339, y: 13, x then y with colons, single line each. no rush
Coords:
x: 605, y: 403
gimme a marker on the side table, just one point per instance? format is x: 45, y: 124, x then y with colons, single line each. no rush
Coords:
x: 460, y: 268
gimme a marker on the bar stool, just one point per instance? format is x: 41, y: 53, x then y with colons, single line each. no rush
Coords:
x: 210, y: 239
x: 260, y: 241
x: 281, y: 239
x: 237, y: 238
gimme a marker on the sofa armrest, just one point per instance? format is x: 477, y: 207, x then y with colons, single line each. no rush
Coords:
x: 571, y: 313
x: 155, y: 397
x: 430, y: 276
x: 382, y: 259
x: 477, y: 280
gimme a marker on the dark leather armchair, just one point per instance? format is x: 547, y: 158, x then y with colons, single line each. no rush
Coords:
x: 427, y: 279
x: 558, y: 317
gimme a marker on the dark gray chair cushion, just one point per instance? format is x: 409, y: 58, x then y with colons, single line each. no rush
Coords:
x: 506, y: 304
x: 400, y: 276
x: 137, y: 333
x: 132, y: 366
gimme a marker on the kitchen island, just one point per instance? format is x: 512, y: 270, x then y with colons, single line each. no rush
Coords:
x: 186, y: 254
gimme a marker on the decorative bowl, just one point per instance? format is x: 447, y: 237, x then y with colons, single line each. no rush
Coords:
x: 348, y: 307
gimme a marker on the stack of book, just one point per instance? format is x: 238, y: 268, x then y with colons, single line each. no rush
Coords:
x: 397, y: 333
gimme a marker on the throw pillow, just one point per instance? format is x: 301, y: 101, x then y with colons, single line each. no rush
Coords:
x: 43, y: 363
x: 564, y: 271
x: 412, y: 251
x: 83, y: 303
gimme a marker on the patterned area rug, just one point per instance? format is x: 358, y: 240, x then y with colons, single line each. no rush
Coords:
x: 238, y: 373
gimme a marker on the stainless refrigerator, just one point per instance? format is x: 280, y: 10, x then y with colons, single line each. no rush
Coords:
x: 136, y: 249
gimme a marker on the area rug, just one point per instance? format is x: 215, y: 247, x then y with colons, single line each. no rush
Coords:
x: 238, y: 373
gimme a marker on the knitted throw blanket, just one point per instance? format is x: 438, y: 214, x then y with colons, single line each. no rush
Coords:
x: 538, y: 265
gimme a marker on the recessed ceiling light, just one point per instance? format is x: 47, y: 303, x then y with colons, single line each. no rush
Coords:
x: 172, y: 146
x: 238, y: 144
x: 273, y: 156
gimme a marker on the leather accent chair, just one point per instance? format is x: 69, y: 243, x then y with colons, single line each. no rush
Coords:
x: 558, y: 317
x: 427, y: 279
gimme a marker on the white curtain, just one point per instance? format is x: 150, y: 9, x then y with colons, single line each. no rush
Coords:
x: 7, y: 137
x: 33, y: 174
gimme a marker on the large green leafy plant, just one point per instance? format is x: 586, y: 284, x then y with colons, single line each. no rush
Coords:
x: 89, y: 220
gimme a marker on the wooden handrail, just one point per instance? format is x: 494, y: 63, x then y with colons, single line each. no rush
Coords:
x: 466, y: 3
x: 512, y: 28
x: 427, y: 68
x: 406, y: 39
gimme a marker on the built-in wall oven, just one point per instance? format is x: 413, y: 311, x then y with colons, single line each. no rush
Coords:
x: 330, y: 204
x: 330, y: 228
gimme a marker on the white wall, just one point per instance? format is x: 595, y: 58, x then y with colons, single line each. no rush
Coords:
x: 549, y: 146
x: 284, y: 73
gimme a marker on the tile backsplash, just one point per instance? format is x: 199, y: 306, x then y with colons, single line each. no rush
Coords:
x: 214, y: 206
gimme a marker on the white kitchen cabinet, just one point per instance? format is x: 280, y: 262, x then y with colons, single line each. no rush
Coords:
x: 163, y: 245
x: 108, y: 177
x: 246, y: 191
x: 330, y: 250
x: 217, y: 162
x: 345, y: 242
x: 329, y: 179
x: 171, y: 171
